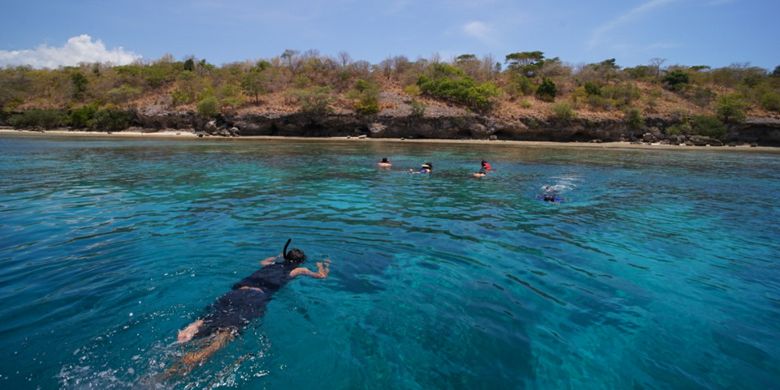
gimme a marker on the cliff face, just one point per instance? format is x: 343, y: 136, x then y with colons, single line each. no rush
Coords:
x: 754, y: 131
x: 760, y: 131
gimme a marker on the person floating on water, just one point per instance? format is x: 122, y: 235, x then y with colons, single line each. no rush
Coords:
x: 551, y: 194
x: 228, y: 316
x: 483, y: 170
x: 424, y: 168
x: 385, y: 163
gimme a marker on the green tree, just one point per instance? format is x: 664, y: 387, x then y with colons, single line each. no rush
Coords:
x: 254, y: 84
x: 546, y: 91
x: 83, y: 116
x: 731, y: 108
x: 208, y: 107
x: 633, y: 118
x: 676, y: 80
x: 708, y: 126
x: 526, y: 62
x: 450, y: 83
x: 189, y: 64
x: 366, y: 97
x: 79, y: 82
x: 314, y: 101
x: 563, y: 111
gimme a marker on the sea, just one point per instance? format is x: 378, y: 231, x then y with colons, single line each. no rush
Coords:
x: 654, y: 269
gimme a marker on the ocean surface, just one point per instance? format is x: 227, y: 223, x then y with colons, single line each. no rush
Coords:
x: 659, y: 269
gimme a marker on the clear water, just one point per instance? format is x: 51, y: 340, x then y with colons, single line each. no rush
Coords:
x: 660, y: 270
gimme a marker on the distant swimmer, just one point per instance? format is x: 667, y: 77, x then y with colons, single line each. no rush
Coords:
x: 385, y: 163
x: 483, y: 171
x: 226, y: 318
x: 551, y: 195
x: 424, y: 168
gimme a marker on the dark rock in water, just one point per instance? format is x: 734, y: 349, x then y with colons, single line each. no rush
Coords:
x: 200, y: 135
x: 234, y: 131
x: 753, y: 145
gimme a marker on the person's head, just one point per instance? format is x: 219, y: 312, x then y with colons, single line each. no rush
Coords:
x: 484, y: 162
x: 295, y: 256
x: 384, y: 160
x: 427, y: 166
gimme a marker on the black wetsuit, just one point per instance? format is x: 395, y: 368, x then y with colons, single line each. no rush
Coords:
x: 238, y: 307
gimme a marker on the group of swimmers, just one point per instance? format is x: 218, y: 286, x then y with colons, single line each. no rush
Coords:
x: 427, y: 167
x: 550, y: 193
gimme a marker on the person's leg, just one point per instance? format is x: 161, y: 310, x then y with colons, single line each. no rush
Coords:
x: 187, y: 333
x: 192, y: 359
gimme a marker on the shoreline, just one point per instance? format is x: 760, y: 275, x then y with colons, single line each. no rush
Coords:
x: 189, y: 135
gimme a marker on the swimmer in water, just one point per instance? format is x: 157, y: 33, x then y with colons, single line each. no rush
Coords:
x: 550, y: 195
x: 385, y: 163
x: 483, y: 171
x: 424, y: 168
x: 224, y: 319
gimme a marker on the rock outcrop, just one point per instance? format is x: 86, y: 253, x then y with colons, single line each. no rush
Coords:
x: 451, y: 125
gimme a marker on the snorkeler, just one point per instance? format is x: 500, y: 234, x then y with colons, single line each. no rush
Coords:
x: 385, y: 163
x: 247, y: 300
x: 424, y: 168
x: 483, y: 170
x: 550, y: 195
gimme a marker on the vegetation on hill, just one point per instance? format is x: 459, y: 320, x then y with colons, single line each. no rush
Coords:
x: 100, y: 96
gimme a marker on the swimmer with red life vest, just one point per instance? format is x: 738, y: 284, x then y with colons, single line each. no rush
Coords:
x: 483, y: 171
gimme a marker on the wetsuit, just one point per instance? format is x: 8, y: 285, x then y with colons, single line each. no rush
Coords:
x: 238, y: 307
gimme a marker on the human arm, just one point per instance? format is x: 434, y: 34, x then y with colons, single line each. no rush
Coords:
x: 269, y: 260
x: 323, y: 269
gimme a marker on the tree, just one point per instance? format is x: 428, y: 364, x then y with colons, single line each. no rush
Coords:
x: 189, y: 64
x: 546, y: 91
x: 731, y: 108
x: 208, y: 107
x: 776, y: 72
x: 527, y: 62
x: 288, y: 56
x: 254, y: 83
x: 676, y: 80
x: 79, y: 82
x: 656, y: 63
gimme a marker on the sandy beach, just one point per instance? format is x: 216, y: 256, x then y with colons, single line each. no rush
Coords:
x: 184, y: 134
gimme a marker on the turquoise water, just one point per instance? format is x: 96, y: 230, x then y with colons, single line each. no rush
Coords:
x: 659, y: 270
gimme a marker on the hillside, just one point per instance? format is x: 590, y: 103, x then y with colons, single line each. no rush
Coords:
x: 524, y: 92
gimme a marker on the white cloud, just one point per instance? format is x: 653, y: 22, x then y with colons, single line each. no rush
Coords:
x: 480, y: 31
x: 77, y: 50
x: 597, y: 37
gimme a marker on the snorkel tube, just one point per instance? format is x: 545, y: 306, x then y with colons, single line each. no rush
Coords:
x: 284, y: 251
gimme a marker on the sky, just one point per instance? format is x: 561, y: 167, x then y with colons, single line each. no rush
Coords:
x: 687, y: 32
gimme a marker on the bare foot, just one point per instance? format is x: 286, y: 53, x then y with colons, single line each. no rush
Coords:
x: 189, y: 332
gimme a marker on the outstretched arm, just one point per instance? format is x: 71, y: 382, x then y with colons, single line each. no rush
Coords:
x: 269, y: 260
x: 323, y: 269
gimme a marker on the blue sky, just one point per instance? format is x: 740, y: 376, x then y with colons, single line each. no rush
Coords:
x: 690, y: 32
